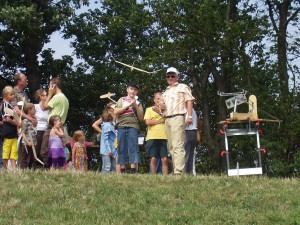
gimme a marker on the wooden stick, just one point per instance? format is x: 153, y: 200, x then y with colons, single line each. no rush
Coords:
x: 33, y: 149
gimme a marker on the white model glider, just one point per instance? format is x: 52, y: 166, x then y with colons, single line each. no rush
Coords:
x: 135, y: 68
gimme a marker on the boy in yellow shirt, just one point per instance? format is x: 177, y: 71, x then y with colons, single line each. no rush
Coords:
x: 156, y: 146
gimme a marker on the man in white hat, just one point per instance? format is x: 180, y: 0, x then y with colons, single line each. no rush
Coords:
x: 177, y: 101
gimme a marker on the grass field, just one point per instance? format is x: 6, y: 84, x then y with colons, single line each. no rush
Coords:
x: 59, y: 197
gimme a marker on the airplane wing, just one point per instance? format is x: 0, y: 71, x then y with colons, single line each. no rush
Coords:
x: 131, y: 67
x: 108, y: 95
x: 12, y: 113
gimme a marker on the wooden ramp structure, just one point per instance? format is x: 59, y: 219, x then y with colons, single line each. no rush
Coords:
x: 251, y: 122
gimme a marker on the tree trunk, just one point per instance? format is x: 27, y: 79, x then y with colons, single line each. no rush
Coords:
x: 282, y: 47
x: 32, y: 64
x: 223, y: 77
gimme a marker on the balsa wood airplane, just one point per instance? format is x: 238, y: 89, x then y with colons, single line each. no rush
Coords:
x: 108, y: 95
x: 12, y: 113
x: 135, y: 68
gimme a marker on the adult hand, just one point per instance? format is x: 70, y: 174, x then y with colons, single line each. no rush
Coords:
x: 34, y: 122
x: 51, y: 90
x: 189, y: 121
x: 162, y: 106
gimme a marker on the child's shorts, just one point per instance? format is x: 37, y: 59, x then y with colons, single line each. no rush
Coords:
x: 10, y: 148
x: 157, y: 148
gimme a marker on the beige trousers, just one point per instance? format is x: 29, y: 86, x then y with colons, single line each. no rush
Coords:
x: 175, y: 130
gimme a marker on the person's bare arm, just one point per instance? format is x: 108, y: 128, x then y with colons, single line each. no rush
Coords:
x: 154, y: 122
x: 118, y: 111
x: 25, y: 138
x: 139, y: 113
x: 59, y: 132
x: 96, y: 125
x: 51, y: 92
x: 189, y: 119
x: 31, y: 119
x: 73, y: 154
x: 13, y: 122
x: 25, y: 116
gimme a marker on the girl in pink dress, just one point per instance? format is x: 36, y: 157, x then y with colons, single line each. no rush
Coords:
x: 56, y: 154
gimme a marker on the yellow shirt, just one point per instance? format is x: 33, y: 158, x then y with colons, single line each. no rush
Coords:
x: 154, y: 131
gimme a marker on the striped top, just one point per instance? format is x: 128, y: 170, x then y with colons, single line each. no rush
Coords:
x: 19, y: 96
x: 175, y: 98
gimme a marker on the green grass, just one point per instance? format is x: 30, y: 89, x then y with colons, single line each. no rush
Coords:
x: 60, y: 197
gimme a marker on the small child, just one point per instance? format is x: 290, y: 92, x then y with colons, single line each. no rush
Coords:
x: 107, y: 149
x: 97, y: 124
x: 56, y: 154
x: 129, y: 111
x: 9, y: 130
x: 79, y: 155
x: 26, y: 154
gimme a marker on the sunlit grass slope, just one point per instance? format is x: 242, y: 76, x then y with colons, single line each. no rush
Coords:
x: 39, y: 197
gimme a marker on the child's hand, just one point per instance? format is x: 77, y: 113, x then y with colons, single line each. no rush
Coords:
x: 133, y: 103
x: 29, y: 144
x: 126, y: 104
x: 161, y: 121
x: 18, y: 111
x: 110, y: 154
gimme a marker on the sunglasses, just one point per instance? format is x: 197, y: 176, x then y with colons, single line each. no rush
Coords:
x: 170, y: 76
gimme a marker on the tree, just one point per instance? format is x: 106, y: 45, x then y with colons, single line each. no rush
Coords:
x: 284, y: 18
x: 208, y: 40
x: 123, y: 31
x: 26, y: 27
x: 285, y: 12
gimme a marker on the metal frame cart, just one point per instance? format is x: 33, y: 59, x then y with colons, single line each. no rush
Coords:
x: 249, y: 130
x: 251, y: 122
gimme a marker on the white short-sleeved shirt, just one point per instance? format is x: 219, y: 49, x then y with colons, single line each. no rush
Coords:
x: 42, y: 118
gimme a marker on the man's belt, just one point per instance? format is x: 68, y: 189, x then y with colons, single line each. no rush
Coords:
x: 175, y: 115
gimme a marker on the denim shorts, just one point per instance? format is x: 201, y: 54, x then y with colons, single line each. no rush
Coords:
x: 128, y: 145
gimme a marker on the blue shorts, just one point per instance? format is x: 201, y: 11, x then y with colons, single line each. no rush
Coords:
x: 128, y: 145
